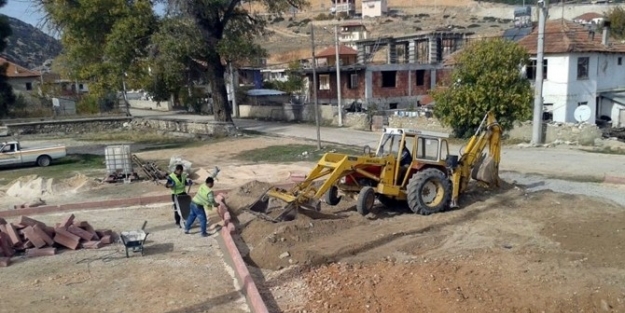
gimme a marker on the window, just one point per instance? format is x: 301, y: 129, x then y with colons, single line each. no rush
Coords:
x: 8, y: 148
x: 324, y: 82
x: 619, y: 61
x: 420, y: 77
x: 80, y: 86
x: 389, y: 79
x: 392, y: 106
x: 531, y: 69
x: 29, y: 86
x: 353, y: 81
x: 582, y: 67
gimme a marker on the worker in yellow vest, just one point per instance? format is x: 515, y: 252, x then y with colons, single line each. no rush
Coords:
x: 204, y: 198
x: 177, y: 182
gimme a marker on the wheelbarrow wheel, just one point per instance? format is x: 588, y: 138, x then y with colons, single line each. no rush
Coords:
x: 127, y: 255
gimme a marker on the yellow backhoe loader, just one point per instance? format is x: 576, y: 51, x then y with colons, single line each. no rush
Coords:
x: 409, y: 165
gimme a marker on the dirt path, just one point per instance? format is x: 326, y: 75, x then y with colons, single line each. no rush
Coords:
x: 511, y: 251
x: 179, y: 273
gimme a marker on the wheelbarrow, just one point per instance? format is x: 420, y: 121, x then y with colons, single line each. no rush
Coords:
x: 134, y: 239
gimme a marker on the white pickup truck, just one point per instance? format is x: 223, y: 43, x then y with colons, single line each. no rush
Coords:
x: 11, y: 153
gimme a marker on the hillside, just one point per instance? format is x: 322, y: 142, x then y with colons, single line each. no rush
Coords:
x: 29, y: 46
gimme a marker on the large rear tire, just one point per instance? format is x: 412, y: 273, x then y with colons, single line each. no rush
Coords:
x: 332, y: 196
x: 366, y: 200
x: 429, y: 191
x: 44, y: 161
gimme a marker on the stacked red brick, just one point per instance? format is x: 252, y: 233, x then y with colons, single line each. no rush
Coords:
x: 35, y: 238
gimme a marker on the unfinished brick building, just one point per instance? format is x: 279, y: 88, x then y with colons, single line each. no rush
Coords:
x: 411, y: 67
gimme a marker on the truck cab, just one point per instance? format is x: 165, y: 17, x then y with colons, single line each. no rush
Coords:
x: 12, y: 153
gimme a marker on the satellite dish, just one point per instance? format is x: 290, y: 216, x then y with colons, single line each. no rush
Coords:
x: 582, y: 113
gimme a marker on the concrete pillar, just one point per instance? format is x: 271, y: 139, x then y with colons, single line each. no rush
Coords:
x: 368, y: 86
x: 433, y: 50
x: 433, y: 78
x: 391, y: 53
x: 412, y: 51
x: 362, y: 54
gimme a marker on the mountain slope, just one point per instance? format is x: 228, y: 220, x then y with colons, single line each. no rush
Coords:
x: 29, y: 46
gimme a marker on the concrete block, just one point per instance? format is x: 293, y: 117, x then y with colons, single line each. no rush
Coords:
x: 43, y: 235
x: 80, y: 232
x: 67, y: 222
x: 10, y: 230
x: 4, y: 262
x: 92, y: 245
x: 25, y: 220
x: 106, y: 240
x: 50, y: 231
x: 2, y: 221
x: 86, y: 226
x: 40, y: 252
x: 6, y: 246
x: 33, y: 237
x: 103, y: 232
x: 66, y: 239
x: 24, y: 245
x: 18, y: 226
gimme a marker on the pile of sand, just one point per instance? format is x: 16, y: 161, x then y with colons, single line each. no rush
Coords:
x: 235, y: 175
x: 34, y: 187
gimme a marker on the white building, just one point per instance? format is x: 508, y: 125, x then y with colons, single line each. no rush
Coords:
x: 580, y: 68
x: 590, y: 18
x: 349, y: 33
x: 374, y: 8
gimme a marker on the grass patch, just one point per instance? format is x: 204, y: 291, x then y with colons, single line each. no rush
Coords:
x: 62, y: 168
x: 292, y: 153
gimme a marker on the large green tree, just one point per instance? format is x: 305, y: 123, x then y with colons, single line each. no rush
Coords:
x: 104, y: 41
x: 7, y: 98
x: 227, y: 30
x: 487, y: 77
x: 616, y: 16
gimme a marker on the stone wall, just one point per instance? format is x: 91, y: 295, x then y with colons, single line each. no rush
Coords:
x: 559, y: 133
x: 419, y: 122
x: 305, y: 113
x: 73, y: 126
x: 198, y: 128
x: 150, y: 105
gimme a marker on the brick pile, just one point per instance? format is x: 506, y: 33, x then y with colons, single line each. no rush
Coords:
x: 34, y: 238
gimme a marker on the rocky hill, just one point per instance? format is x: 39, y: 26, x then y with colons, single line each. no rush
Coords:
x: 29, y: 46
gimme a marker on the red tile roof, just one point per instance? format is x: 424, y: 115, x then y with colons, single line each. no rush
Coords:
x: 589, y: 16
x: 16, y: 71
x: 331, y: 51
x: 562, y: 36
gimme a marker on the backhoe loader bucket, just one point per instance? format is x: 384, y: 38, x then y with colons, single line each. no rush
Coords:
x: 261, y: 205
x: 293, y: 204
x: 485, y: 170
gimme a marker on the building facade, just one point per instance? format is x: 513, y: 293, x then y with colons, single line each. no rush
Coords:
x: 374, y: 8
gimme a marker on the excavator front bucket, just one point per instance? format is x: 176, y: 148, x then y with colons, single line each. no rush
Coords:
x: 486, y: 171
x: 261, y: 205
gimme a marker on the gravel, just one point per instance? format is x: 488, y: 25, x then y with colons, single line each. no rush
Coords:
x: 535, y: 183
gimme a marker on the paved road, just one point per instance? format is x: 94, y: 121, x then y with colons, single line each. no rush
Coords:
x: 561, y: 162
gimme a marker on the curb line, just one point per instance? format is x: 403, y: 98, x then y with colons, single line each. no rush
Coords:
x: 614, y: 180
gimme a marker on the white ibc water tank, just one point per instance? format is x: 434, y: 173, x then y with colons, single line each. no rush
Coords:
x: 118, y: 159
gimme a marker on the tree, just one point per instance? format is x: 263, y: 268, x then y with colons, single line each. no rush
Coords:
x: 7, y: 98
x: 294, y: 84
x: 616, y: 16
x: 487, y: 77
x: 102, y: 39
x: 227, y: 31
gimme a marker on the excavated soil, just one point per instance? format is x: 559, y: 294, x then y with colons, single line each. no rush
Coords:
x: 505, y: 251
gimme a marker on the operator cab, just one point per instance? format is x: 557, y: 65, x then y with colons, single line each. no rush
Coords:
x: 415, y: 144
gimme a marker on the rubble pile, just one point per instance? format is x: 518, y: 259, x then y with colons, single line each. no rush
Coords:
x: 34, y: 238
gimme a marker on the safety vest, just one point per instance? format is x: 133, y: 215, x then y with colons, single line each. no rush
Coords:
x: 178, y: 185
x: 201, y: 197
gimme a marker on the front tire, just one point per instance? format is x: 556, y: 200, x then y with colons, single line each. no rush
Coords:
x: 332, y: 196
x: 429, y: 191
x: 366, y: 200
x: 44, y: 161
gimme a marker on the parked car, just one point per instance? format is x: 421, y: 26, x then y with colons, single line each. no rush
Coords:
x: 12, y: 153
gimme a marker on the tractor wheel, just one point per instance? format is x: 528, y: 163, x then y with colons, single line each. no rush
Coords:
x: 332, y: 196
x: 429, y: 191
x: 366, y: 200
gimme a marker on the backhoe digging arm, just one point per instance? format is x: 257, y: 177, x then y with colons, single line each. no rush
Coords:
x: 474, y: 164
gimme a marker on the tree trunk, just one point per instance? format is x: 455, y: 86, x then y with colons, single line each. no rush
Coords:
x: 216, y: 72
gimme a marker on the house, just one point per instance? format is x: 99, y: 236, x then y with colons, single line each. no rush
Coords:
x: 374, y: 8
x: 343, y: 6
x: 275, y: 74
x: 349, y: 33
x: 580, y: 68
x: 61, y: 86
x: 403, y: 81
x: 21, y: 78
x: 590, y: 18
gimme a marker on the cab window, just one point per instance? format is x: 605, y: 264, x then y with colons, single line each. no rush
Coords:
x: 427, y: 149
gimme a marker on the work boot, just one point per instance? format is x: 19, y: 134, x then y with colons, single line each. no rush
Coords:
x: 205, y: 234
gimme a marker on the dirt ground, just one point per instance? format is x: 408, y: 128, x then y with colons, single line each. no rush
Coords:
x: 179, y: 273
x: 78, y: 187
x: 505, y: 251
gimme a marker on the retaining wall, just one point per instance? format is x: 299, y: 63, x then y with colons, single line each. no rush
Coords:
x: 164, y: 106
x: 205, y: 128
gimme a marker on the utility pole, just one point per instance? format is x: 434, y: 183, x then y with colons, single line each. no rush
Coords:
x: 235, y: 107
x: 537, y: 123
x: 126, y: 94
x: 338, y: 74
x: 314, y: 72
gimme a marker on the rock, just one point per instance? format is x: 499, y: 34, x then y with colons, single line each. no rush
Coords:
x: 285, y: 255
